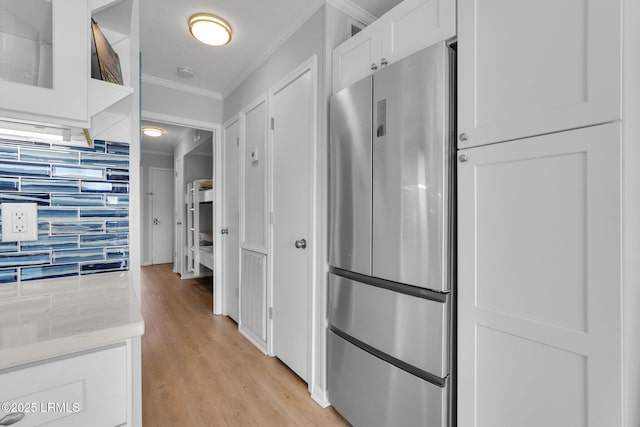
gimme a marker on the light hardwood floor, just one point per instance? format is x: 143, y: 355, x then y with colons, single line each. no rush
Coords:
x: 197, y: 370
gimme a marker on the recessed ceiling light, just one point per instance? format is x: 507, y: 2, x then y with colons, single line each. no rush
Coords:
x: 210, y: 29
x: 152, y: 132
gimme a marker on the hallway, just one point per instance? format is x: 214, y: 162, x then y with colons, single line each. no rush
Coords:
x: 197, y: 370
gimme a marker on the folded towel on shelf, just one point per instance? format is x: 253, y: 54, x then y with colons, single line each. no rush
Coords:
x: 205, y: 184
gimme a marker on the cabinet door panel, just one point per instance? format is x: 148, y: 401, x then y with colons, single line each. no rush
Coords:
x: 415, y: 24
x: 539, y: 285
x: 352, y: 60
x: 530, y: 68
x: 70, y: 49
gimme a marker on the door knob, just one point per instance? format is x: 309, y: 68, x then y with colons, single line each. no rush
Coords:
x: 301, y: 244
x: 373, y: 66
x: 224, y: 231
x: 155, y: 221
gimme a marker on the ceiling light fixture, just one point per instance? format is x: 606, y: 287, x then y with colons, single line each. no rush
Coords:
x: 152, y: 132
x: 210, y: 29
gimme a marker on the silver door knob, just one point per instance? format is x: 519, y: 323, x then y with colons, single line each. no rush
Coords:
x: 301, y: 244
x: 374, y: 66
x: 224, y: 231
x: 156, y: 221
x: 384, y: 61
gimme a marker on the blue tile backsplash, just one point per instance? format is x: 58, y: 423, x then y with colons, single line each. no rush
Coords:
x: 83, y: 209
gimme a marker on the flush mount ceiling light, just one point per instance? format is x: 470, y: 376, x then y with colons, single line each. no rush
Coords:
x: 152, y: 132
x: 210, y: 29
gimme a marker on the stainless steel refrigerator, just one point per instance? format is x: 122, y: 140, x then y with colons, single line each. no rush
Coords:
x: 391, y: 244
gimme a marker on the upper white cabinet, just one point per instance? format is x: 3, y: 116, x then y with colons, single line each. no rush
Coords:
x: 50, y: 65
x: 539, y: 284
x: 403, y: 30
x: 532, y: 67
x: 414, y: 24
x: 357, y: 57
x: 47, y: 77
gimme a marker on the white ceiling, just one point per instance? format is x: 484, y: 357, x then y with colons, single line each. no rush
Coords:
x: 257, y: 26
x: 164, y: 143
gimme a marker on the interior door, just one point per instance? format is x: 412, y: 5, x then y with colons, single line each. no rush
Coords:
x: 161, y: 215
x: 292, y: 141
x: 231, y: 218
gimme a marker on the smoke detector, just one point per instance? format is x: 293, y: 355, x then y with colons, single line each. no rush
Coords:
x: 186, y: 72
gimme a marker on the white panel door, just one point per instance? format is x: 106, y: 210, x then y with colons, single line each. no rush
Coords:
x: 357, y: 57
x: 534, y: 67
x: 162, y: 211
x: 254, y: 169
x: 231, y: 218
x: 416, y: 24
x: 292, y: 108
x: 539, y: 287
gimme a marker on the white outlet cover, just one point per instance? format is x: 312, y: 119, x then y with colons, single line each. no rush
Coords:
x: 31, y: 212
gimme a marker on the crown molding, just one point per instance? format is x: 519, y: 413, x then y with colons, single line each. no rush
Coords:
x: 304, y: 17
x: 146, y: 78
x: 353, y: 10
x: 178, y: 121
x: 157, y: 152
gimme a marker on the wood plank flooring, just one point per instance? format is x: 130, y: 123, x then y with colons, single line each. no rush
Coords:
x: 198, y: 370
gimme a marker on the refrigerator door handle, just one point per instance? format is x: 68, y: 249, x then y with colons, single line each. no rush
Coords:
x: 381, y: 107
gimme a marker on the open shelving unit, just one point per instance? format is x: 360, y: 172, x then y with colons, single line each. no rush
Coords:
x: 199, y: 199
x: 108, y: 102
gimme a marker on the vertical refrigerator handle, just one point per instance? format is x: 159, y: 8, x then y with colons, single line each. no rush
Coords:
x: 381, y: 114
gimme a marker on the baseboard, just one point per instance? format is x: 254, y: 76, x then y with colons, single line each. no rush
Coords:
x: 320, y: 397
x: 262, y: 346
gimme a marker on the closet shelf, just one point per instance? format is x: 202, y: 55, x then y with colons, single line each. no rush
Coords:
x: 200, y: 223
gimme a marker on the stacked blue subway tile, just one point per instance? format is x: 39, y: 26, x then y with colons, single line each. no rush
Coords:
x: 83, y: 208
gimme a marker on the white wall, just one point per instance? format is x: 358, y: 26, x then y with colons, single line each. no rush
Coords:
x: 303, y: 44
x: 148, y: 161
x: 164, y: 101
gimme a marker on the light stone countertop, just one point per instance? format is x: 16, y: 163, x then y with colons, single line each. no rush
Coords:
x: 54, y: 317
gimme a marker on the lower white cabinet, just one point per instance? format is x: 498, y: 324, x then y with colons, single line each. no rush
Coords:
x: 539, y: 285
x: 86, y: 389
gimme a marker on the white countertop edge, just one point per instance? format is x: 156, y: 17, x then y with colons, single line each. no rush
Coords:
x: 14, y: 357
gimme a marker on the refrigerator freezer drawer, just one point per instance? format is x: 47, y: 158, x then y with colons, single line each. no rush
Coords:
x: 368, y: 391
x: 406, y: 327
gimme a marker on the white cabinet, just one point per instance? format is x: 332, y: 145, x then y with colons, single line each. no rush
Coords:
x: 69, y: 52
x: 539, y: 285
x: 415, y: 24
x: 529, y: 68
x: 357, y: 57
x: 65, y: 94
x: 90, y: 389
x: 403, y: 30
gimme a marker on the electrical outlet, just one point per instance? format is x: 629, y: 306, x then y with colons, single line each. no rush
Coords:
x: 19, y: 222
